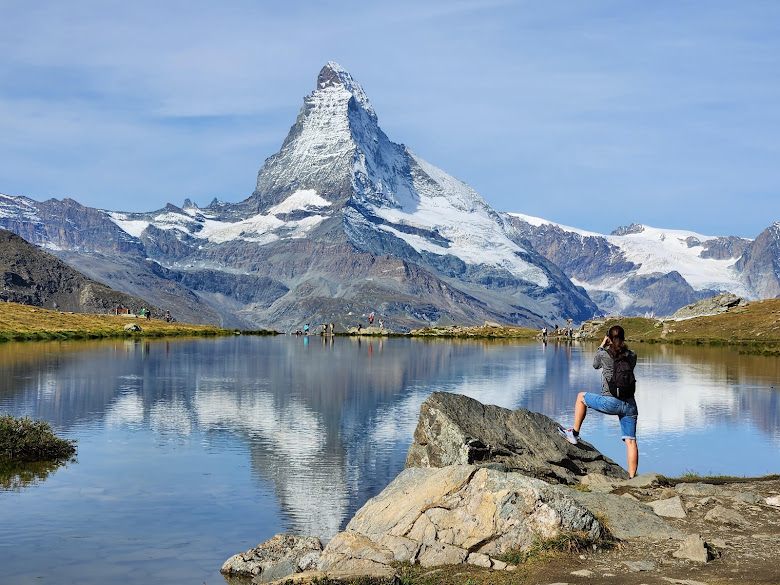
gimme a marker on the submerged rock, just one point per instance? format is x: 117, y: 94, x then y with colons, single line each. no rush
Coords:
x: 457, y: 430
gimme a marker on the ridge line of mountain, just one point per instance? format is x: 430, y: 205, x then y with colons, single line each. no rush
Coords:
x: 344, y: 223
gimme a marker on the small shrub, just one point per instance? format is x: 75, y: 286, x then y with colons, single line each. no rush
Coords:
x: 565, y: 542
x: 24, y: 439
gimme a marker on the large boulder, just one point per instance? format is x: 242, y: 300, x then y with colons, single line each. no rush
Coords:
x: 711, y: 306
x: 455, y: 514
x: 457, y: 430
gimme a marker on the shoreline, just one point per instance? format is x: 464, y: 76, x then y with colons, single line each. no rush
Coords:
x: 756, y: 325
x: 29, y: 323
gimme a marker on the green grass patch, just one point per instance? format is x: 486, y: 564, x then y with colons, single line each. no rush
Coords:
x: 693, y: 477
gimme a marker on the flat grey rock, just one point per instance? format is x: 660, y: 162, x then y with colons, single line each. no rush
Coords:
x: 625, y: 517
x: 669, y: 508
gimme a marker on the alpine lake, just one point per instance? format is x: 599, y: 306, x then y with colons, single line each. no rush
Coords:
x: 190, y: 451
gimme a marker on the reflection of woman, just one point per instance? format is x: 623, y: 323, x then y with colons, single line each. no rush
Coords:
x: 612, y: 348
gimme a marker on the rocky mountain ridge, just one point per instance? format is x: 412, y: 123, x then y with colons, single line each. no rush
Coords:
x: 343, y: 222
x: 639, y: 269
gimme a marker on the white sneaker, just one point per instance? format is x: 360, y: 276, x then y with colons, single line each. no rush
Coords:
x: 569, y: 435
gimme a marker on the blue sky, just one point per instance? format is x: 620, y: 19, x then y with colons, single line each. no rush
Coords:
x: 592, y: 114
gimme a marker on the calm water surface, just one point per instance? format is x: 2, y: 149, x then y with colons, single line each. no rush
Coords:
x: 192, y: 451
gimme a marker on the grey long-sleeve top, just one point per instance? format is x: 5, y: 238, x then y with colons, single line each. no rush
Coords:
x: 602, y: 360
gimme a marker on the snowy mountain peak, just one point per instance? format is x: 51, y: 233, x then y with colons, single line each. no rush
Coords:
x: 334, y: 75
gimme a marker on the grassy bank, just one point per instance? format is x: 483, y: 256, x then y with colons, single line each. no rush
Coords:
x: 23, y: 323
x: 477, y: 332
x: 756, y: 323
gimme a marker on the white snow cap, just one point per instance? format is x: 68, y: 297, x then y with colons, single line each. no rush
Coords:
x: 334, y: 74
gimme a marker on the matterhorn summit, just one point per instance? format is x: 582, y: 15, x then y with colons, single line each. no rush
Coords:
x: 387, y: 200
x: 343, y: 222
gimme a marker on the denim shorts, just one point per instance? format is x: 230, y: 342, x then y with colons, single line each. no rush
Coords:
x: 626, y: 411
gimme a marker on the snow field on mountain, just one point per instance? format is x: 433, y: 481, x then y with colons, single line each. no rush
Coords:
x: 261, y: 228
x: 660, y: 250
x: 539, y: 222
x: 455, y: 211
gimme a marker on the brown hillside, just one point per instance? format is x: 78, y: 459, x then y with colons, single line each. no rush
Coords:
x: 31, y: 276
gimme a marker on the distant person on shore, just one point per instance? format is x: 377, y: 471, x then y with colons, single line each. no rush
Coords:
x: 616, y: 363
x: 332, y: 327
x: 544, y: 333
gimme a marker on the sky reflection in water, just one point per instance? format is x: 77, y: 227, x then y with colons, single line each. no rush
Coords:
x: 191, y: 451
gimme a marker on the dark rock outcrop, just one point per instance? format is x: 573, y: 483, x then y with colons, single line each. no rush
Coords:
x: 625, y: 230
x: 579, y: 256
x: 661, y: 293
x: 453, y: 429
x: 760, y: 264
x: 710, y: 306
x: 30, y: 276
x: 724, y: 247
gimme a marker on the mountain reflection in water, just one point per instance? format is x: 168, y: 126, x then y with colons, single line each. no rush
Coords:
x: 254, y: 435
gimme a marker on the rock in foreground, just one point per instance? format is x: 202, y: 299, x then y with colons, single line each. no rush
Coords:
x: 458, y: 430
x: 456, y: 514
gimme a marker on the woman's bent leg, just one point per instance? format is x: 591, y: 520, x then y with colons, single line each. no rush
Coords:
x: 580, y: 410
x: 632, y: 454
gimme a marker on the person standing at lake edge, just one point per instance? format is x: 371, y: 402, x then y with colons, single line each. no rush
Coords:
x: 612, y: 349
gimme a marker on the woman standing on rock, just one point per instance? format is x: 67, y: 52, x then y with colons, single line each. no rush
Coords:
x: 617, y: 364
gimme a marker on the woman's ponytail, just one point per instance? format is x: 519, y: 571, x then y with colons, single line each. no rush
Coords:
x: 617, y: 337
